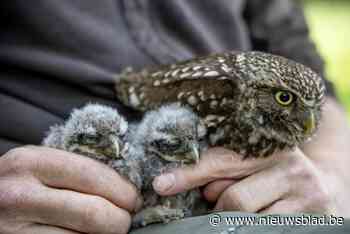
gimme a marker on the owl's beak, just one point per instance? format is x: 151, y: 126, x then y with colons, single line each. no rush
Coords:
x: 309, y: 122
x: 194, y: 154
x: 114, y: 148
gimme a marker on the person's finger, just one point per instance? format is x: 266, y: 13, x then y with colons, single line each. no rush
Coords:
x: 213, y: 190
x: 71, y: 210
x: 216, y: 163
x: 45, y: 229
x: 296, y: 205
x: 284, y: 207
x: 255, y: 192
x: 60, y: 169
x: 293, y: 185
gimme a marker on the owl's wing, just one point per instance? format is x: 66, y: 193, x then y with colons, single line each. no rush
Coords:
x: 207, y: 84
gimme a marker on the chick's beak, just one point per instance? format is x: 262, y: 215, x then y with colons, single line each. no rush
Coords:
x: 309, y: 122
x: 114, y: 148
x: 193, y: 156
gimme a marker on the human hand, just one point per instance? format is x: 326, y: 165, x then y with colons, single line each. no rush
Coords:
x: 287, y: 182
x: 44, y: 190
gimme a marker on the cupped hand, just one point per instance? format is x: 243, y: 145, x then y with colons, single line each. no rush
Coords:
x: 287, y: 182
x: 44, y: 190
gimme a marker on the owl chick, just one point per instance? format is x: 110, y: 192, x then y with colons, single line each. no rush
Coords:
x: 169, y: 137
x: 251, y: 102
x: 96, y: 131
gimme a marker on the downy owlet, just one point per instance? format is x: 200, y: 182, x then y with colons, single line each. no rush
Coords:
x: 101, y: 133
x: 251, y: 102
x: 169, y: 137
x: 96, y: 131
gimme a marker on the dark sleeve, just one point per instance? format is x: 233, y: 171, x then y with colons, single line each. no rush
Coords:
x: 56, y: 56
x: 279, y: 27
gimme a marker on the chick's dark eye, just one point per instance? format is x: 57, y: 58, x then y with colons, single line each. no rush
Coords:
x: 165, y: 145
x: 284, y: 98
x: 87, y: 138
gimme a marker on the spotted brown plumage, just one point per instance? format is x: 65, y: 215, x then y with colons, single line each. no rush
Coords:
x: 235, y: 95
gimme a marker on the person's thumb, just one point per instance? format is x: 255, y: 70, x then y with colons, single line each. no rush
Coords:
x: 216, y: 163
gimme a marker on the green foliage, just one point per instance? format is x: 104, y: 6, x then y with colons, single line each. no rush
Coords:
x: 329, y: 21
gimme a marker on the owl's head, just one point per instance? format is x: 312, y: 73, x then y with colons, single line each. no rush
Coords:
x: 94, y: 130
x: 173, y: 133
x: 282, y: 98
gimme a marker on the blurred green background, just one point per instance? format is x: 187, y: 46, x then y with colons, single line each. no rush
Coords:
x: 329, y: 21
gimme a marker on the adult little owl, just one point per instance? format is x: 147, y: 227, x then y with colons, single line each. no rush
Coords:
x: 251, y: 102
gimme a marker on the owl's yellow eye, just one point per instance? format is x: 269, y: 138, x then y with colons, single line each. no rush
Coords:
x: 284, y: 98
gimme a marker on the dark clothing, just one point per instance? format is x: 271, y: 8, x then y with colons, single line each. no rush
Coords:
x: 58, y: 55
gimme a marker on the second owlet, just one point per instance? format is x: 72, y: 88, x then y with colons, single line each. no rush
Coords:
x: 167, y: 138
x: 251, y: 102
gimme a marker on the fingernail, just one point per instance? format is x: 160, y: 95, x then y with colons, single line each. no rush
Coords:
x: 164, y: 182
